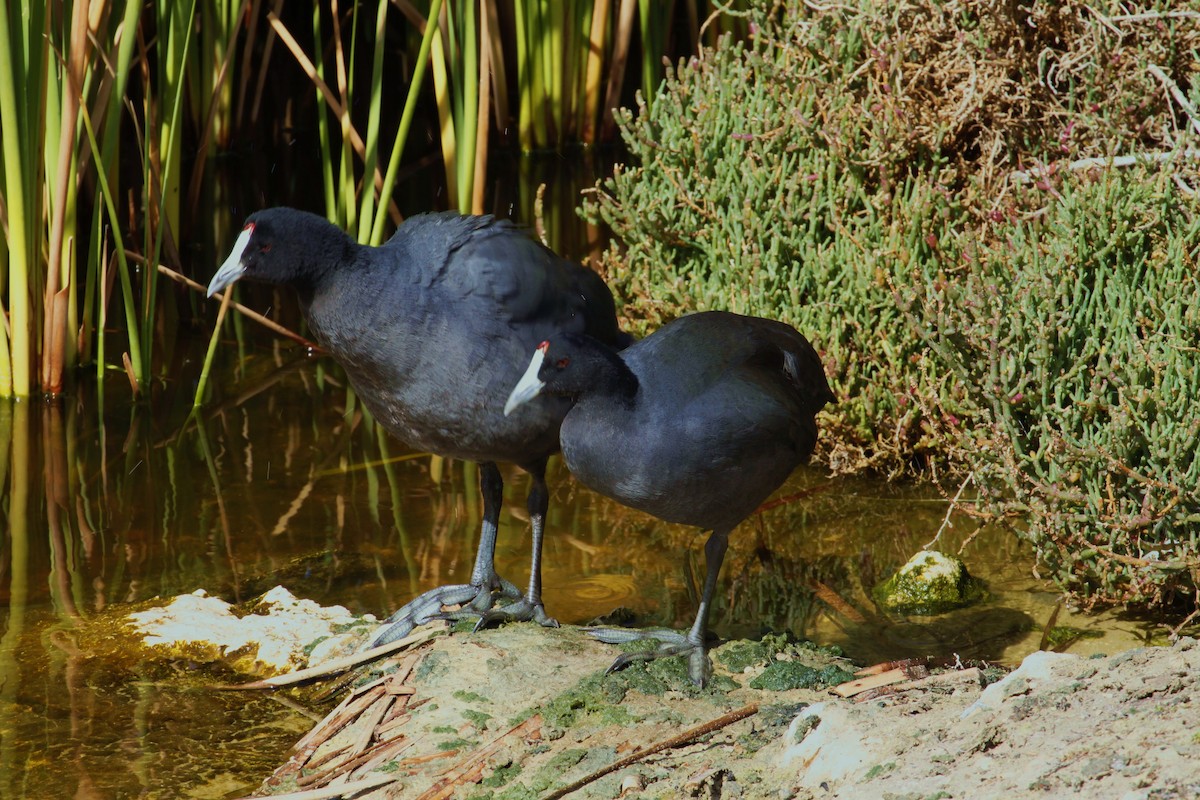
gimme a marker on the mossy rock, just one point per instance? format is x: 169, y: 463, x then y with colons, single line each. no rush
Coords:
x: 782, y: 676
x: 930, y: 583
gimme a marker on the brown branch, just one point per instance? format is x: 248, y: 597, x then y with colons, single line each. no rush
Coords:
x: 616, y: 69
x: 470, y: 769
x: 349, y: 762
x: 254, y: 315
x: 339, y: 664
x: 340, y: 790
x: 836, y: 601
x: 675, y: 741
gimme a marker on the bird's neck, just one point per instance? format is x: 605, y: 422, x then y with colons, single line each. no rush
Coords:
x: 609, y: 377
x: 332, y: 258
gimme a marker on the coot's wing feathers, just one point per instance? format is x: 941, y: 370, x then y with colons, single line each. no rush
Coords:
x: 772, y: 341
x: 730, y: 400
x: 483, y: 258
x: 699, y: 350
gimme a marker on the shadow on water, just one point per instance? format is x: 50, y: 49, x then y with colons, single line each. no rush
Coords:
x: 282, y: 480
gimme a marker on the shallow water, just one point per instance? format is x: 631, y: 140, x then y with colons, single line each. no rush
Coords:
x: 282, y: 480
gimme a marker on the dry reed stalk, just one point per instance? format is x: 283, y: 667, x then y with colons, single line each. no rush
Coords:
x: 687, y: 737
x: 472, y: 766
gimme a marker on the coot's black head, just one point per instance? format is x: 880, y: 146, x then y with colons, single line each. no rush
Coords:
x: 284, y: 246
x: 572, y: 365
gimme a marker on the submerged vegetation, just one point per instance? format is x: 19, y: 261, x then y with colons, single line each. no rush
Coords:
x: 987, y: 220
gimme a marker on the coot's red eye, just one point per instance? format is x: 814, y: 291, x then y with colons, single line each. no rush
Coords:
x: 266, y: 248
x: 562, y: 362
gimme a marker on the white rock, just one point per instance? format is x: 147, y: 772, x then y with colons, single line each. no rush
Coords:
x: 1035, y: 669
x: 838, y: 748
x: 276, y: 634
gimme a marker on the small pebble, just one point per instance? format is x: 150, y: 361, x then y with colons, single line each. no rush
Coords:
x: 632, y: 785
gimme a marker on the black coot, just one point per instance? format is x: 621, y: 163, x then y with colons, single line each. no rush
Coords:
x: 697, y: 424
x: 433, y: 328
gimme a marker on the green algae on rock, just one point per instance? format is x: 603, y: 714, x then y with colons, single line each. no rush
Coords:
x: 782, y: 676
x: 930, y: 583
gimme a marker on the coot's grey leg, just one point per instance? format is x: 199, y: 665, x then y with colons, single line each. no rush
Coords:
x: 483, y: 575
x: 485, y: 586
x: 672, y: 643
x: 530, y: 606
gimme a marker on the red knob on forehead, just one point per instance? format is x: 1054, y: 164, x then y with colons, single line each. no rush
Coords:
x: 544, y: 346
x: 249, y: 227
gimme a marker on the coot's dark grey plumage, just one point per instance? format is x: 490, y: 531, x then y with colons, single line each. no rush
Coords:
x: 697, y: 423
x: 433, y: 328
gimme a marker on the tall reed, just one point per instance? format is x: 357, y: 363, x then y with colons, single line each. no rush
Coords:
x: 161, y: 86
x: 64, y: 71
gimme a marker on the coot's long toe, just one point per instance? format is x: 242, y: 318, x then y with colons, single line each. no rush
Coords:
x: 697, y: 424
x: 433, y: 328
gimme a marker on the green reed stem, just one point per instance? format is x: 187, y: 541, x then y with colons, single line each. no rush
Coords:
x: 442, y: 92
x: 19, y: 179
x: 174, y: 42
x: 499, y: 82
x: 322, y: 120
x: 468, y: 83
x: 538, y: 50
x: 347, y: 207
x: 113, y: 93
x: 653, y: 43
x: 410, y: 107
x: 211, y: 352
x: 135, y: 347
x: 170, y: 179
x: 366, y: 217
x: 525, y: 132
x: 559, y: 34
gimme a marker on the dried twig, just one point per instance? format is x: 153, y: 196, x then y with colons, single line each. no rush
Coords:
x: 1177, y: 94
x: 539, y: 214
x: 370, y: 719
x: 971, y: 677
x: 1175, y: 630
x: 340, y: 664
x: 254, y: 315
x: 341, y: 790
x: 875, y: 681
x: 686, y: 737
x: 903, y: 663
x: 470, y: 769
x: 377, y: 755
x: 1029, y: 176
x: 946, y: 523
x: 907, y: 673
x: 1048, y: 628
x: 346, y: 766
x: 346, y: 712
x: 317, y: 763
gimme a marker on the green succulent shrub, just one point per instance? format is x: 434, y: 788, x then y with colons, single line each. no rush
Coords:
x: 1076, y: 332
x: 904, y: 185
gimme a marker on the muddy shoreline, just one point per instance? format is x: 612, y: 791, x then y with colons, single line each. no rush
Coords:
x: 526, y: 712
